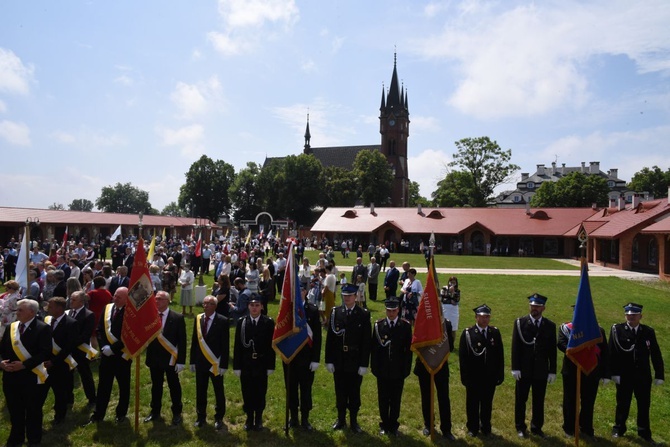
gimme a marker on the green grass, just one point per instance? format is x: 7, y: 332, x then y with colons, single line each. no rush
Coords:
x: 507, y: 297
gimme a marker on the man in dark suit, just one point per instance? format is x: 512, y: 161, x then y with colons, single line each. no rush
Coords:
x: 210, y: 349
x: 391, y: 363
x: 588, y: 388
x: 61, y: 362
x: 482, y: 362
x: 114, y: 364
x: 533, y: 364
x: 25, y: 346
x: 631, y: 346
x: 120, y: 280
x: 391, y: 280
x: 166, y: 357
x: 348, y: 355
x: 128, y: 260
x: 83, y: 353
x: 254, y: 361
x: 299, y: 374
x: 359, y: 269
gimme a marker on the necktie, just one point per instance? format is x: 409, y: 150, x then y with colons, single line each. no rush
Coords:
x: 204, y: 327
x: 348, y: 312
x: 484, y: 332
x: 22, y: 327
x: 537, y: 324
x: 253, y: 322
x: 53, y: 323
x: 73, y: 313
x: 392, y: 324
x: 113, y: 312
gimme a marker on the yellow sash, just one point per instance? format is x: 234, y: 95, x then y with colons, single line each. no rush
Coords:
x: 23, y: 354
x: 204, y: 348
x: 169, y: 347
x: 87, y: 349
x: 108, y: 329
x: 55, y: 349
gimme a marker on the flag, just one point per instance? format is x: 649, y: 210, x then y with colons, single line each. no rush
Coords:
x: 116, y: 234
x: 163, y: 235
x: 291, y: 331
x: 430, y: 341
x: 585, y: 335
x: 65, y: 237
x: 248, y: 241
x: 21, y: 263
x: 141, y: 323
x: 152, y: 247
x: 198, y: 246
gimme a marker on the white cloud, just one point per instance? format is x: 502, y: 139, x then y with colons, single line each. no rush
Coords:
x: 15, y: 77
x: 124, y: 80
x: 530, y: 59
x: 336, y: 44
x: 87, y: 139
x: 427, y: 168
x: 196, y: 99
x: 63, y: 137
x: 190, y: 138
x: 17, y: 134
x: 425, y: 123
x: 3, y: 107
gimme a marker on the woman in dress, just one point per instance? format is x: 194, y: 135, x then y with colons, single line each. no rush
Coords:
x: 169, y: 283
x: 411, y: 291
x: 252, y: 277
x: 450, y: 295
x: 186, y: 283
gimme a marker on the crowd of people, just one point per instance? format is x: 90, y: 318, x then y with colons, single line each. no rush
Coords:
x: 71, y: 314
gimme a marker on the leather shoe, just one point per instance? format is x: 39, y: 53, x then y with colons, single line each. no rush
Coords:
x: 522, y: 434
x: 218, y: 425
x: 426, y: 431
x: 472, y: 435
x: 120, y: 419
x: 152, y: 417
x: 91, y: 420
x: 248, y: 427
x: 395, y: 433
x: 292, y: 423
x: 199, y: 423
x: 356, y: 428
x: 651, y: 441
x: 539, y: 433
x: 259, y: 427
x: 382, y: 432
x: 57, y: 421
x: 307, y: 426
x: 449, y: 436
x: 339, y: 425
x: 177, y: 420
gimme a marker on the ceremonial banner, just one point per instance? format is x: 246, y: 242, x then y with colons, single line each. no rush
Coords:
x: 116, y: 234
x: 152, y: 247
x: 585, y: 335
x: 198, y: 246
x: 65, y: 237
x: 21, y: 268
x: 141, y: 323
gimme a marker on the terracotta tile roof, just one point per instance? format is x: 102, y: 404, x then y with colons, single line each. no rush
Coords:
x: 662, y: 226
x: 500, y: 221
x: 616, y: 223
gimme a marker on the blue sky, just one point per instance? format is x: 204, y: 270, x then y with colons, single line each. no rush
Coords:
x: 93, y: 93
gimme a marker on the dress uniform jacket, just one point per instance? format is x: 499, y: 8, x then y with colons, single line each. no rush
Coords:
x: 348, y: 339
x: 85, y: 320
x: 391, y: 357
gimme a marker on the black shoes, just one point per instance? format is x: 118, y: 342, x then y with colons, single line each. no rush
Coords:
x: 153, y: 417
x: 199, y: 423
x: 120, y: 419
x: 307, y: 426
x: 339, y: 424
x: 448, y: 436
x: 539, y: 433
x: 426, y: 431
x: 177, y: 420
x: 522, y: 433
x: 218, y: 425
x: 356, y: 428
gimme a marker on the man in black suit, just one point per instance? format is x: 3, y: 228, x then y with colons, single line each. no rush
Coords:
x: 25, y: 346
x: 114, y: 364
x: 210, y: 349
x: 482, y: 362
x: 254, y: 361
x: 120, y: 280
x: 299, y: 374
x: 61, y: 362
x: 631, y: 346
x: 359, y: 269
x: 533, y: 364
x: 391, y: 363
x: 83, y: 353
x: 128, y: 260
x: 166, y: 357
x: 391, y: 280
x: 348, y: 355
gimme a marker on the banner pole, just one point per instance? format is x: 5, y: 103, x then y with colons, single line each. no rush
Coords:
x: 432, y: 406
x: 577, y: 402
x: 286, y: 410
x: 137, y: 393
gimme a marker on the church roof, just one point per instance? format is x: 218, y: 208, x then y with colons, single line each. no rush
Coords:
x: 339, y: 156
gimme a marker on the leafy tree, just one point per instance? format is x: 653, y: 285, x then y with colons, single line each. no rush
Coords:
x: 487, y: 163
x: 339, y: 187
x: 205, y: 193
x: 574, y: 190
x: 301, y: 188
x: 123, y: 198
x: 455, y: 190
x: 415, y: 197
x: 172, y: 209
x: 244, y: 194
x: 653, y: 180
x: 374, y: 177
x: 56, y: 206
x: 81, y: 205
x: 269, y: 184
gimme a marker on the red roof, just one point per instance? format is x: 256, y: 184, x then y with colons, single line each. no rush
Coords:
x: 662, y: 226
x: 500, y: 221
x: 613, y: 224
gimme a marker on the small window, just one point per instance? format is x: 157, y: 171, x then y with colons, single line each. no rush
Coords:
x: 610, y: 184
x: 517, y: 199
x: 530, y: 185
x: 652, y: 255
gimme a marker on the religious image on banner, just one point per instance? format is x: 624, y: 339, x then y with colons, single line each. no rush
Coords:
x: 140, y: 292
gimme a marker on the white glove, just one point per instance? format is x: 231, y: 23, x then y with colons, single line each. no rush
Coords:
x: 616, y: 379
x: 658, y: 381
x: 222, y: 371
x: 237, y: 372
x: 192, y: 368
x: 330, y: 368
x: 362, y: 371
x: 314, y: 366
x: 605, y: 381
x: 551, y: 378
x: 270, y: 371
x: 178, y: 368
x: 516, y: 374
x: 107, y: 351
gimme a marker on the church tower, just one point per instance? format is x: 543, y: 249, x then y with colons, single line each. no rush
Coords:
x: 394, y: 128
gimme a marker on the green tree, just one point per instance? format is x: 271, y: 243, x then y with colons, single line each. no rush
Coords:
x: 205, y: 193
x: 454, y: 190
x: 81, y: 205
x: 243, y: 192
x: 487, y: 163
x: 269, y: 185
x: 172, y: 209
x: 56, y: 206
x: 123, y: 198
x: 339, y: 187
x: 374, y: 177
x: 415, y: 197
x: 653, y: 180
x: 301, y: 190
x: 575, y: 190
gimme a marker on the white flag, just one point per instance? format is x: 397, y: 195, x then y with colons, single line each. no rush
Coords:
x: 21, y: 266
x: 116, y: 234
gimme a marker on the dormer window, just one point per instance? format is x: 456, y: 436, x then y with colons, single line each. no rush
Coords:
x: 610, y: 184
x: 530, y: 185
x: 517, y: 199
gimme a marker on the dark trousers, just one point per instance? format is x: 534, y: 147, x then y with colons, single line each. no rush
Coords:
x: 372, y: 288
x: 254, y: 390
x: 521, y: 392
x: 59, y: 382
x: 205, y: 265
x: 113, y: 367
x: 157, y: 375
x: 298, y: 379
x: 444, y: 403
x: 389, y: 394
x: 588, y: 392
x: 390, y: 292
x: 202, y: 379
x: 87, y: 383
x: 347, y: 392
x: 641, y: 388
x: 24, y: 403
x: 478, y: 407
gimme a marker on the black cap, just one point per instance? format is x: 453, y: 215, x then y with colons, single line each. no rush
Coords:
x: 254, y: 298
x: 633, y: 308
x: 391, y: 302
x: 537, y: 300
x: 482, y: 310
x: 349, y: 289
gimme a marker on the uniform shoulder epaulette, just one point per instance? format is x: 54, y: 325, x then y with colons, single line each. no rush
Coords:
x: 380, y: 320
x: 405, y: 320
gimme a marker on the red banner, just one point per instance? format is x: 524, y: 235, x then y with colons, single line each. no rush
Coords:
x: 141, y: 323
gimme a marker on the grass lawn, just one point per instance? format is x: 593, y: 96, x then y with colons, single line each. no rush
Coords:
x: 507, y: 297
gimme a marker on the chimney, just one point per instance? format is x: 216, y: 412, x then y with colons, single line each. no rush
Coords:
x: 540, y: 170
x: 553, y: 168
x: 528, y: 208
x: 524, y: 176
x: 372, y: 208
x: 612, y: 202
x: 622, y: 203
x: 614, y: 173
x: 563, y: 168
x: 583, y: 167
x: 594, y: 167
x: 594, y: 206
x: 636, y: 200
x: 419, y: 211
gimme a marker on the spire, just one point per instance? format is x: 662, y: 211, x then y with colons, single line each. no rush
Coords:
x: 393, y: 99
x: 308, y: 136
x: 406, y: 100
x: 383, y: 106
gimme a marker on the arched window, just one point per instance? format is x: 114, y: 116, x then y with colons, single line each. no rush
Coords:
x: 652, y: 256
x: 636, y: 251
